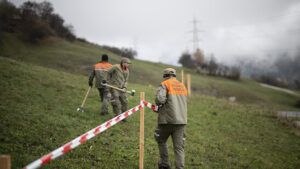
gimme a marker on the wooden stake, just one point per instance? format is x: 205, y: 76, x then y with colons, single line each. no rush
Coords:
x: 182, y: 77
x: 142, y: 133
x: 189, y: 84
x: 5, y: 162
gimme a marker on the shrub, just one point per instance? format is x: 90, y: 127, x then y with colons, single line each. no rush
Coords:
x: 186, y: 60
x: 235, y: 73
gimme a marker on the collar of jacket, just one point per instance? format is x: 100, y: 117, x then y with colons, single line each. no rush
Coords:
x: 121, y: 68
x: 167, y: 78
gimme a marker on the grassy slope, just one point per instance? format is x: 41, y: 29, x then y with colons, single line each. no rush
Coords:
x: 38, y: 114
x: 78, y: 58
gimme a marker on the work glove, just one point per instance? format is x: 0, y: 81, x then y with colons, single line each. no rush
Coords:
x: 159, y: 107
x: 124, y: 89
x: 91, y: 84
x: 104, y: 82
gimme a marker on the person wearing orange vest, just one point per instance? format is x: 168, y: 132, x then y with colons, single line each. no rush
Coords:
x: 171, y: 97
x: 119, y: 75
x: 100, y: 73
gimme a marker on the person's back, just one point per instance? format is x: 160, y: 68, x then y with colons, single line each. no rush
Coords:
x: 175, y: 108
x: 100, y: 72
x: 171, y: 98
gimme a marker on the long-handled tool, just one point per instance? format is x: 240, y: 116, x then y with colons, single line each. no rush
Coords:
x: 80, y: 109
x: 129, y: 92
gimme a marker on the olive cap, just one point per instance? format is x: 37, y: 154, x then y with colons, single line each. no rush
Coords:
x: 170, y: 71
x: 126, y: 60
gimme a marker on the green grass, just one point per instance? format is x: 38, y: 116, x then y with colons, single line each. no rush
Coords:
x: 78, y: 58
x: 38, y: 114
x: 43, y: 85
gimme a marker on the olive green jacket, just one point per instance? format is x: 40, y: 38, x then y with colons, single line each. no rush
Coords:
x: 99, y: 72
x: 117, y: 77
x: 171, y: 97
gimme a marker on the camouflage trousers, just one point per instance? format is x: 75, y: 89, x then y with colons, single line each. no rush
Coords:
x: 117, y: 98
x: 162, y: 133
x: 103, y: 93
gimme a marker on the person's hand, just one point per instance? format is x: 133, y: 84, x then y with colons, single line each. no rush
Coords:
x: 104, y: 82
x: 90, y: 84
x: 158, y: 107
x: 124, y: 89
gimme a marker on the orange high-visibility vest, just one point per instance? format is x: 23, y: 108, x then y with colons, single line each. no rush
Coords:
x: 102, y: 65
x: 175, y: 87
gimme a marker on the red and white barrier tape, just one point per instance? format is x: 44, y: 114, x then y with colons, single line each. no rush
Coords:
x: 88, y: 135
x: 149, y: 105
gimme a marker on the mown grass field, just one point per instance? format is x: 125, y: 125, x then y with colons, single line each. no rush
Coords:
x: 38, y: 115
x: 78, y: 58
x: 43, y: 85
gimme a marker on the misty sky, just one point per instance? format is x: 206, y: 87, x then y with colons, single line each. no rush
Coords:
x: 160, y: 30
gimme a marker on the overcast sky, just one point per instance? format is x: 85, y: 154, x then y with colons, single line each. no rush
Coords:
x: 160, y: 30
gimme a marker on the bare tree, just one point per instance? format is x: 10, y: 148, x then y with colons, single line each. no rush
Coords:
x: 199, y: 57
x: 212, y: 66
x: 235, y: 73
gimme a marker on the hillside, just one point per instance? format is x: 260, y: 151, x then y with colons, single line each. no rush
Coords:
x: 44, y: 78
x: 38, y: 114
x: 78, y: 58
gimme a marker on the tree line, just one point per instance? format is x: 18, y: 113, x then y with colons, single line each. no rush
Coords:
x: 283, y: 72
x: 197, y: 62
x: 35, y: 21
x: 124, y: 52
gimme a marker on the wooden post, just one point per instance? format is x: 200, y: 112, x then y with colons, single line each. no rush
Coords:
x: 142, y: 133
x: 182, y: 77
x: 5, y: 162
x: 189, y: 84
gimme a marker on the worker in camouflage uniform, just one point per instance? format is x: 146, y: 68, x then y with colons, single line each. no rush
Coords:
x: 99, y: 72
x: 119, y: 75
x: 171, y: 97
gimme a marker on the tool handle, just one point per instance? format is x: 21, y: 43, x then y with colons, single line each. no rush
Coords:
x: 114, y: 87
x: 86, y: 95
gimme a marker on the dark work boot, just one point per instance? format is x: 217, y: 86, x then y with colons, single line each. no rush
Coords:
x: 160, y: 166
x: 103, y: 113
